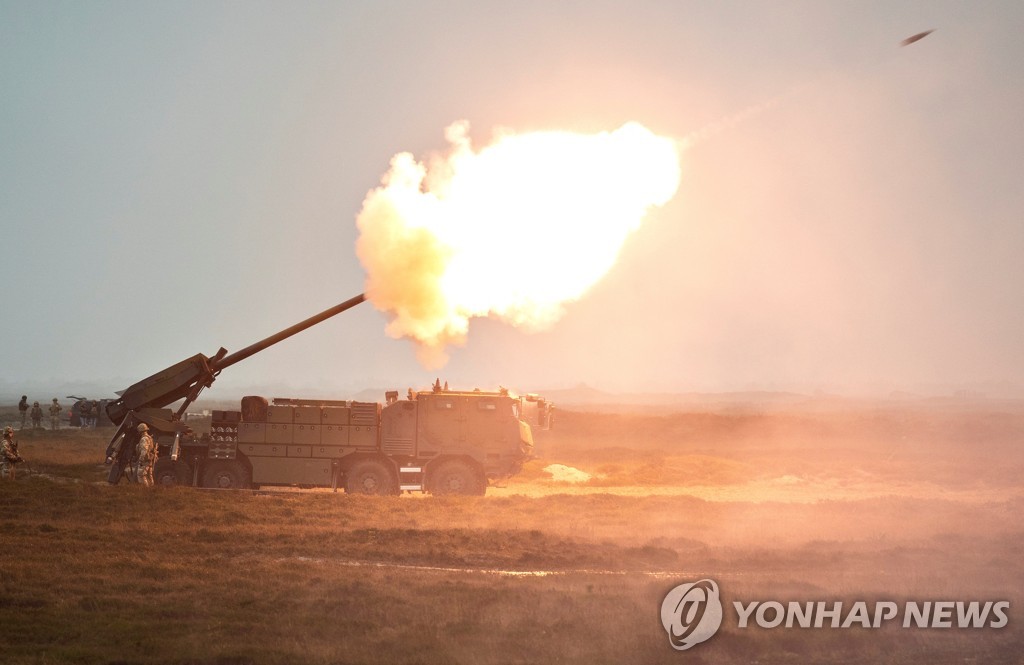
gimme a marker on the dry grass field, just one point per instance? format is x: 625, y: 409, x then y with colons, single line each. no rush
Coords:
x: 824, y: 501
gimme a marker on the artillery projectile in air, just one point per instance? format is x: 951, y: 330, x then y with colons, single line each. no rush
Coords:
x: 916, y: 38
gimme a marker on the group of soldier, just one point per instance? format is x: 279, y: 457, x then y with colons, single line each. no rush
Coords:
x: 36, y: 413
x: 142, y: 467
x: 88, y: 413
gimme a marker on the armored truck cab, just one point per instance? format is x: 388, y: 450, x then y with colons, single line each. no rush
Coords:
x: 480, y: 431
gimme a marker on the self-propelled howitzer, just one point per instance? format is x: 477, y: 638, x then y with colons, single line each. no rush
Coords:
x: 440, y: 441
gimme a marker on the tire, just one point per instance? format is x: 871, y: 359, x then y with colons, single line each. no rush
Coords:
x: 371, y: 477
x: 167, y: 472
x: 456, y: 477
x: 226, y: 475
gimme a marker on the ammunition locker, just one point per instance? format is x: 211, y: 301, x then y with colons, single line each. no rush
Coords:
x: 263, y: 450
x: 305, y: 414
x: 280, y: 414
x: 252, y: 432
x: 309, y: 434
x: 334, y: 435
x: 330, y: 451
x: 279, y: 433
x: 334, y: 415
x: 362, y: 437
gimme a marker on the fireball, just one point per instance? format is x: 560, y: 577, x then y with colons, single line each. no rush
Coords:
x: 514, y: 230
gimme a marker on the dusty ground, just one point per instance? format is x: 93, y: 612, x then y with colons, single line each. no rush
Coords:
x: 823, y: 501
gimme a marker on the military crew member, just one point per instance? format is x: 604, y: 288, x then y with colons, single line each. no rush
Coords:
x: 37, y: 416
x: 85, y: 413
x: 23, y: 409
x: 146, y: 453
x: 55, y: 410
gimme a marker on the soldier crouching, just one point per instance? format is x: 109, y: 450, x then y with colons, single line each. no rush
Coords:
x: 146, y: 454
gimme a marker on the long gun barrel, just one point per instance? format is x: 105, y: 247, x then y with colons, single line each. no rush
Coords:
x: 242, y: 354
x: 186, y: 379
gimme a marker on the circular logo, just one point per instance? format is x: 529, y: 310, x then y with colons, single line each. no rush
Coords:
x: 691, y: 613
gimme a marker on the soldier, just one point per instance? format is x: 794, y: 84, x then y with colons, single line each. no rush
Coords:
x: 23, y: 408
x: 37, y: 416
x: 55, y: 410
x: 146, y: 453
x: 85, y: 413
x: 9, y: 457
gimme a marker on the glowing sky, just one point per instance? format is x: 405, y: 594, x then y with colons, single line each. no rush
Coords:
x: 181, y: 176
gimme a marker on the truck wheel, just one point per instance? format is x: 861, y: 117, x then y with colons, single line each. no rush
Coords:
x: 226, y: 475
x: 370, y: 477
x: 168, y: 472
x: 456, y: 477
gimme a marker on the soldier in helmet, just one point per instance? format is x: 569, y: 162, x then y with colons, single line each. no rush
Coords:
x: 55, y: 410
x: 37, y: 416
x: 146, y: 453
x: 9, y: 457
x: 85, y: 413
x: 23, y: 409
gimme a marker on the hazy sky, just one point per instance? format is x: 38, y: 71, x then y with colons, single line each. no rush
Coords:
x: 180, y: 176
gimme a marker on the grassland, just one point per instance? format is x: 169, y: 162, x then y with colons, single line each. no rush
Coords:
x: 849, y: 502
